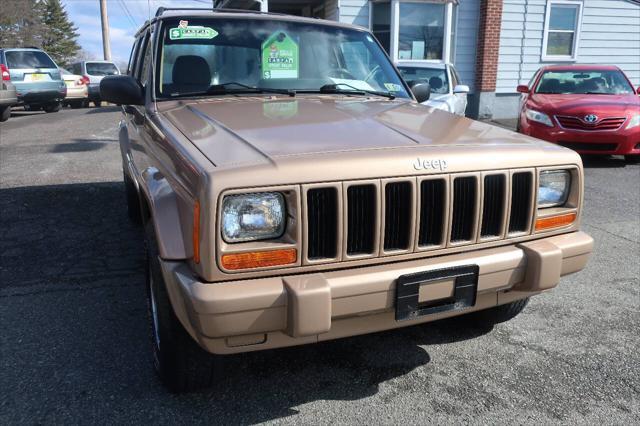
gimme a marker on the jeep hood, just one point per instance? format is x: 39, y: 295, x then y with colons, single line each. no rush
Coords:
x: 244, y: 129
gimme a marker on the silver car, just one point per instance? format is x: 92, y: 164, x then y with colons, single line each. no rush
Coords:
x: 36, y: 78
x: 447, y: 91
x: 95, y: 71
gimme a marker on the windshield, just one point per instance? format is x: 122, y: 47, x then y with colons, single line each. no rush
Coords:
x: 28, y: 59
x: 606, y: 82
x: 437, y: 78
x: 271, y: 55
x: 101, y: 68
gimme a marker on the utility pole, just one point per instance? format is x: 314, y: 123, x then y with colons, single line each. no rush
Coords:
x: 106, y: 45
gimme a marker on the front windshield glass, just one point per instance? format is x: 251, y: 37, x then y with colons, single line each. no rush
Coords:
x: 437, y: 78
x: 270, y: 55
x: 604, y: 82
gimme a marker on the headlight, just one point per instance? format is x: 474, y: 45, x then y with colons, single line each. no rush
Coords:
x: 250, y: 217
x: 553, y: 189
x: 634, y: 122
x: 538, y: 116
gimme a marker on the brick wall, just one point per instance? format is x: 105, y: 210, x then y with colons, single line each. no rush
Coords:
x: 488, y: 45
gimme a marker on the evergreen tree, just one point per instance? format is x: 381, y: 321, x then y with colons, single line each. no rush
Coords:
x: 59, y: 35
x: 21, y: 23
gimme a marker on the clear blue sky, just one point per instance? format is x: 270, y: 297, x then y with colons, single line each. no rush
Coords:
x: 125, y: 17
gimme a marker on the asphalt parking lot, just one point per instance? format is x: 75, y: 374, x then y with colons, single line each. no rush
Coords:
x: 74, y: 345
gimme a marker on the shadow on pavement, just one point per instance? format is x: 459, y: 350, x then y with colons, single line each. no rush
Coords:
x: 81, y: 145
x: 75, y: 340
x: 98, y: 110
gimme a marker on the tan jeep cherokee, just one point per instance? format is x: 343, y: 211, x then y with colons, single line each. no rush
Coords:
x: 293, y: 191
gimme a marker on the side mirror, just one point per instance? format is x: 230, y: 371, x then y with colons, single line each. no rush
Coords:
x: 121, y: 90
x: 421, y: 90
x: 522, y: 88
x: 461, y: 88
x: 638, y: 91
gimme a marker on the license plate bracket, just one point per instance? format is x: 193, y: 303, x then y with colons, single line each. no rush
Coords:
x: 408, y: 291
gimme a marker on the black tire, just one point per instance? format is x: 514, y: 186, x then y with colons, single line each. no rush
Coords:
x: 52, y: 107
x: 133, y: 202
x: 181, y: 364
x: 97, y: 104
x: 5, y: 113
x: 500, y: 313
x: 632, y: 159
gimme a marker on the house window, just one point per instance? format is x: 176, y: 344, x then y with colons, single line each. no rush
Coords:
x: 421, y: 32
x: 381, y: 23
x: 561, y: 30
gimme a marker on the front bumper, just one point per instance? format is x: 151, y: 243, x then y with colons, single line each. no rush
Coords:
x: 255, y: 314
x: 615, y: 142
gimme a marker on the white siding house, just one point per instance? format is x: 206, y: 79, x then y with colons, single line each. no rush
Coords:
x: 607, y: 32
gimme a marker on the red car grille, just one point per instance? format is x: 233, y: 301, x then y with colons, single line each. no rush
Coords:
x: 576, y: 123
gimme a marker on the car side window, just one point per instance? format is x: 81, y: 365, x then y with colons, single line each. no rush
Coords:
x: 146, y: 62
x: 132, y: 57
x: 139, y: 57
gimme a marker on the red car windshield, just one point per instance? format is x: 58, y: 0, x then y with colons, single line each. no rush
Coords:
x: 596, y: 82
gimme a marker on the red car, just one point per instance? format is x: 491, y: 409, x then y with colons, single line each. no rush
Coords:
x: 592, y: 109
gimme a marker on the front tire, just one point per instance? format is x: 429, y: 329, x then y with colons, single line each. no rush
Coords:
x: 181, y: 364
x: 632, y: 159
x: 5, y: 113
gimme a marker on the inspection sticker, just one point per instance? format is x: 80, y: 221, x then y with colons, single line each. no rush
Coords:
x: 191, y: 32
x: 280, y: 57
x: 393, y: 87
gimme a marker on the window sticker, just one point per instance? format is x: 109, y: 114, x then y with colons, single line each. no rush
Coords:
x: 186, y: 32
x: 279, y: 57
x: 393, y: 87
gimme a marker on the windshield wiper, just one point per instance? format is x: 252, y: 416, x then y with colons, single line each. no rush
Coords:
x: 335, y: 88
x: 222, y: 88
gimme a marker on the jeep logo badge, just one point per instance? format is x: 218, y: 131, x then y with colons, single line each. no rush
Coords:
x: 429, y: 165
x: 591, y: 118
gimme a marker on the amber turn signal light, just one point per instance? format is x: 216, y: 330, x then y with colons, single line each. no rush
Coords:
x: 259, y: 259
x: 550, y: 222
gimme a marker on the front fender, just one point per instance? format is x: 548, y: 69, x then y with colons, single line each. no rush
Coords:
x: 165, y: 211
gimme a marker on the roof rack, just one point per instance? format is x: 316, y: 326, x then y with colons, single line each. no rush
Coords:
x: 162, y: 10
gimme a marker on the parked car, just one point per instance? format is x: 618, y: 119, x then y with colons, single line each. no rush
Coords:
x: 592, y: 109
x: 8, y: 96
x: 447, y: 91
x: 77, y: 89
x: 285, y: 203
x: 95, y: 71
x: 36, y: 78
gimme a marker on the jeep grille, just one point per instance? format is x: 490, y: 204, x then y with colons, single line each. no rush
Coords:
x: 354, y: 220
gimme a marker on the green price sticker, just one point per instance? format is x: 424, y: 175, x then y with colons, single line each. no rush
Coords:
x: 280, y: 57
x: 191, y: 33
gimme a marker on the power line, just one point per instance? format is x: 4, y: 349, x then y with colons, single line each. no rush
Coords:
x: 127, y: 13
